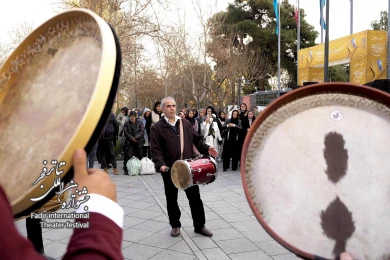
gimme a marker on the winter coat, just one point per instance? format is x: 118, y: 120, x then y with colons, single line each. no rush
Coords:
x: 211, y: 136
x: 136, y: 131
x: 110, y: 130
x: 165, y: 143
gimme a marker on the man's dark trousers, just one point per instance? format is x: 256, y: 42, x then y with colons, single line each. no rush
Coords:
x: 34, y: 233
x: 193, y: 195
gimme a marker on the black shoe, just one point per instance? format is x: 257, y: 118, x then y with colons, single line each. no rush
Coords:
x: 175, y: 232
x: 224, y: 170
x: 205, y: 232
x: 109, y: 166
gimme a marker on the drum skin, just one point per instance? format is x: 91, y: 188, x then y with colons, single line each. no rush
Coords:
x: 186, y: 173
x: 315, y: 171
x: 54, y: 89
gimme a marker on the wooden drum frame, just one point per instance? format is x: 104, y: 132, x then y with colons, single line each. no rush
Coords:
x: 57, y: 89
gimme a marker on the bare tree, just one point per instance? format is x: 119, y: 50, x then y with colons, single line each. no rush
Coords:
x: 235, y: 59
x: 185, y: 58
x: 17, y: 35
x: 131, y: 20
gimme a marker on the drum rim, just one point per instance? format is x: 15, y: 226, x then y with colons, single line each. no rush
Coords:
x: 342, y: 88
x: 84, y: 136
x: 191, y: 182
x: 216, y: 167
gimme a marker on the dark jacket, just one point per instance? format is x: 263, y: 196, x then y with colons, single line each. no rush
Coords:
x: 136, y: 131
x: 110, y: 130
x: 165, y: 143
x: 232, y: 133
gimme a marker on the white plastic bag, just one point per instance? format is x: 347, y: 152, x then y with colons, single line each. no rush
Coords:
x: 134, y: 166
x: 147, y: 166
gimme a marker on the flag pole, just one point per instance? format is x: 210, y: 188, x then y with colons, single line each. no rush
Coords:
x: 298, y: 40
x: 321, y: 19
x: 326, y: 62
x: 351, y: 16
x: 279, y: 32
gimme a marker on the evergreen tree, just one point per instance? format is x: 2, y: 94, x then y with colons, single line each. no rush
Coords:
x: 256, y: 19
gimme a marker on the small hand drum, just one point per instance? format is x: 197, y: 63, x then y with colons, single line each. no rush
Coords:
x: 56, y: 92
x: 187, y: 173
x: 316, y: 171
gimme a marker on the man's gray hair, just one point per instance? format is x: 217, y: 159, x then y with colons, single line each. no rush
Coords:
x: 165, y: 100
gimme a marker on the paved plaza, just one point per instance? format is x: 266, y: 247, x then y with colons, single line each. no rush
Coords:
x: 237, y: 233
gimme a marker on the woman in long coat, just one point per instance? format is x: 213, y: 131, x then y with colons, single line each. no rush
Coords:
x: 233, y: 129
x: 210, y: 131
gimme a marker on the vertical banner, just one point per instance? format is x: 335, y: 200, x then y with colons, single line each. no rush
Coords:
x: 276, y: 9
x: 296, y: 10
x: 322, y: 19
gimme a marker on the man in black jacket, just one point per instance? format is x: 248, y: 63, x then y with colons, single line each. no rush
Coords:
x: 106, y: 143
x: 134, y: 133
x: 165, y: 150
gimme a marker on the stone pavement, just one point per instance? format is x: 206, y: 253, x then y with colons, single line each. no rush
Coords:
x: 237, y: 233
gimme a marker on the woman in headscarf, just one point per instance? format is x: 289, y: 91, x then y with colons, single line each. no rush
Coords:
x: 192, y: 119
x: 243, y: 116
x: 145, y: 117
x: 210, y: 129
x: 221, y: 118
x: 211, y: 112
x: 154, y: 117
x: 251, y: 119
x: 233, y: 128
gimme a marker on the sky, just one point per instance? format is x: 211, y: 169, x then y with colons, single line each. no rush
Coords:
x: 15, y: 12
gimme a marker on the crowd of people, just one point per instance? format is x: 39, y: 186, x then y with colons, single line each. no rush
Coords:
x: 155, y: 134
x: 224, y: 130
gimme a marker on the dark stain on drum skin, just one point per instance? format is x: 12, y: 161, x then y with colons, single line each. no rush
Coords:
x: 336, y: 156
x: 51, y: 51
x: 337, y: 223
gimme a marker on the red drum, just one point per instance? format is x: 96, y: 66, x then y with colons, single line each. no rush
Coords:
x: 187, y: 173
x: 316, y: 171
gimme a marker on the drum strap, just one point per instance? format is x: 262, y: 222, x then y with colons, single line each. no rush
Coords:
x: 182, y: 143
x: 181, y: 140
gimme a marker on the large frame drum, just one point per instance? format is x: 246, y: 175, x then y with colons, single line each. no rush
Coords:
x: 316, y: 171
x: 56, y: 92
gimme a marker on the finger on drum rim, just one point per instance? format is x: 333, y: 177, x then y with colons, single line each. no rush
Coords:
x: 79, y: 161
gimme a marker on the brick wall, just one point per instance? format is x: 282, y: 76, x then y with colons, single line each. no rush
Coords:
x: 247, y: 101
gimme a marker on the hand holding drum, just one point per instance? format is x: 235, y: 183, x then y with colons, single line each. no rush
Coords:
x: 97, y: 181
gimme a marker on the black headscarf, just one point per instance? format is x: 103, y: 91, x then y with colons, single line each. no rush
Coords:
x: 126, y: 110
x: 235, y: 120
x: 154, y: 108
x: 221, y: 119
x: 192, y: 119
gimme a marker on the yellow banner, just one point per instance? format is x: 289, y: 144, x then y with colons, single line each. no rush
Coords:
x: 365, y: 51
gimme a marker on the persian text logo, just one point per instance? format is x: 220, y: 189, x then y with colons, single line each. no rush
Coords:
x: 73, y: 203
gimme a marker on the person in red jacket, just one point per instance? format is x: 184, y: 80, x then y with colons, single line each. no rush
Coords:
x: 103, y: 238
